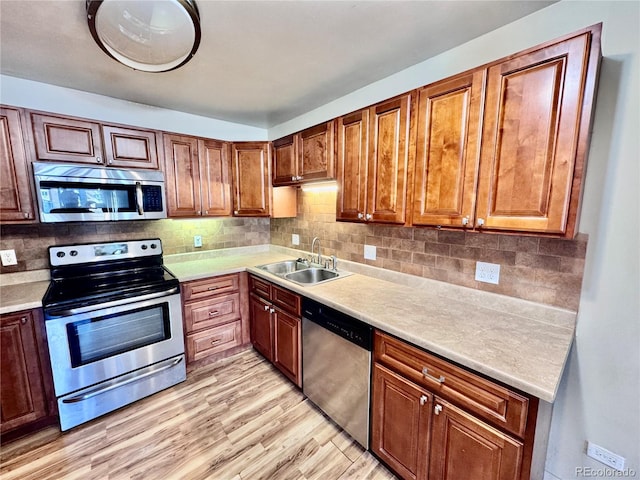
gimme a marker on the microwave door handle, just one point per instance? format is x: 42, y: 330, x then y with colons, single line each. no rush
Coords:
x: 139, y: 199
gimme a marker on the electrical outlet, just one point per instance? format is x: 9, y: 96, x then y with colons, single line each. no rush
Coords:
x: 295, y: 239
x: 197, y: 241
x: 605, y: 456
x: 8, y: 257
x: 488, y: 272
x: 369, y: 252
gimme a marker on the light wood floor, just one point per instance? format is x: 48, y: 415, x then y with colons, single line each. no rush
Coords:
x: 235, y: 419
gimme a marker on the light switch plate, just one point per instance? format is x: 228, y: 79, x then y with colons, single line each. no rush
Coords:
x: 369, y: 252
x: 8, y: 257
x: 197, y: 241
x: 295, y: 239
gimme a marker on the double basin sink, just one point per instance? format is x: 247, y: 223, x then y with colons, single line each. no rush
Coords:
x: 301, y: 272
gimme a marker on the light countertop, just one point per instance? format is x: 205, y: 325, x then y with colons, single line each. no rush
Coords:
x: 520, y: 343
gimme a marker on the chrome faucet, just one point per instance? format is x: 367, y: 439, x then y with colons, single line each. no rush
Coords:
x: 313, y: 246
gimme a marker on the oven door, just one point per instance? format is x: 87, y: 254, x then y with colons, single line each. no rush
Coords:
x: 96, y: 346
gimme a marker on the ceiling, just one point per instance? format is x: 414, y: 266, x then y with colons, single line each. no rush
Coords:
x: 260, y: 63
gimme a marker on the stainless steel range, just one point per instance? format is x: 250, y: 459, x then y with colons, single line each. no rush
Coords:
x: 114, y: 326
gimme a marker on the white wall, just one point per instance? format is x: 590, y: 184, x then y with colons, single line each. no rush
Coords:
x: 51, y: 98
x: 599, y: 399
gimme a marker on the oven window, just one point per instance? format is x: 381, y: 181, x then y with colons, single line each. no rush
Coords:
x: 97, y: 338
x: 72, y: 197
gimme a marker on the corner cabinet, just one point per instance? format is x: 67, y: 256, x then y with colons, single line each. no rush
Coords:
x: 198, y: 179
x: 16, y: 197
x: 77, y: 140
x: 27, y: 386
x: 373, y: 162
x: 503, y: 148
x: 306, y: 156
x: 434, y: 420
x: 251, y: 165
x: 276, y: 326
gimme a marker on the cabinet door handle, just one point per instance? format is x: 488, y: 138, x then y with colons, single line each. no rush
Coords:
x: 465, y: 221
x: 437, y: 409
x: 272, y: 310
x: 23, y: 320
x: 266, y: 307
x: 423, y: 399
x: 426, y: 374
x: 480, y: 222
x: 368, y: 217
x: 360, y: 215
x: 214, y: 313
x: 98, y: 160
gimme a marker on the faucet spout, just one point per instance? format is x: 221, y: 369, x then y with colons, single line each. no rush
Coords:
x: 313, y: 247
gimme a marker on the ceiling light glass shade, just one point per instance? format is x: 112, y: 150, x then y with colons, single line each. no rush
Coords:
x: 147, y: 35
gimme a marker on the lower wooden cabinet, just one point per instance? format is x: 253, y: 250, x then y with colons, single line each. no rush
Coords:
x: 215, y: 316
x: 276, y: 326
x: 421, y: 435
x: 26, y: 385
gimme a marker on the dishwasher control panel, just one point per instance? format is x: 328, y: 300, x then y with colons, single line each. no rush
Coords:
x: 339, y: 323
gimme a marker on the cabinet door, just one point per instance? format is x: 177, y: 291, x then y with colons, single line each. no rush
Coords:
x: 464, y: 447
x: 352, y: 161
x: 447, y: 151
x: 130, y: 147
x: 66, y: 139
x: 22, y: 397
x: 251, y: 163
x: 317, y: 152
x: 215, y: 177
x: 285, y: 161
x: 182, y: 176
x: 530, y: 138
x: 388, y: 161
x: 261, y: 326
x: 287, y: 349
x: 16, y: 201
x: 400, y: 417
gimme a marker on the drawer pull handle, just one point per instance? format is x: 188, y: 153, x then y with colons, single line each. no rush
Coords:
x: 213, y: 288
x: 437, y: 409
x: 214, y: 313
x: 217, y: 340
x: 425, y: 372
x: 423, y: 399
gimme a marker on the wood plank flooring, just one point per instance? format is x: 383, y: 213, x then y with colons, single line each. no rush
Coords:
x: 235, y: 419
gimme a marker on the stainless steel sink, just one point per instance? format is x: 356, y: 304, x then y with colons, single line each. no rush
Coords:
x: 302, y: 272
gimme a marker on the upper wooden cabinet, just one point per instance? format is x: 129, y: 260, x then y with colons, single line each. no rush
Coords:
x: 305, y: 156
x: 373, y: 162
x: 251, y: 179
x: 16, y: 199
x: 504, y: 147
x: 63, y: 139
x: 197, y: 176
x: 535, y: 136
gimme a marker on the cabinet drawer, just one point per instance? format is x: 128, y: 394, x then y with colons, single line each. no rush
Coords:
x: 286, y: 300
x: 494, y: 403
x: 211, y: 312
x: 213, y: 340
x: 260, y: 287
x: 209, y: 287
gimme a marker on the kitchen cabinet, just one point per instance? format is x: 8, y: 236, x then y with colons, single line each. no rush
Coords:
x: 27, y: 385
x: 251, y: 165
x: 276, y: 327
x: 503, y: 147
x: 215, y: 318
x: 373, y: 162
x: 432, y: 419
x: 76, y: 140
x: 197, y: 175
x: 16, y: 194
x: 306, y: 156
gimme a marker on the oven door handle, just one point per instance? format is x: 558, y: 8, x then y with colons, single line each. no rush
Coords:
x: 125, y: 380
x: 114, y: 303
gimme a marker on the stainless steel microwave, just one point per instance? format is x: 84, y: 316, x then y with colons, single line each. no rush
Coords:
x: 81, y: 193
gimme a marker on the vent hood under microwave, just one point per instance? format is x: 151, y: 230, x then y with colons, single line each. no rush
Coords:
x: 82, y: 193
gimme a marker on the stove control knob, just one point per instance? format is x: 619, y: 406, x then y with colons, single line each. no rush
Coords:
x: 144, y: 246
x: 60, y: 254
x: 74, y: 253
x: 153, y: 245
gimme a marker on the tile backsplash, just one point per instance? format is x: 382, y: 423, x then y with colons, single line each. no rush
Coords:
x: 31, y: 241
x: 544, y: 270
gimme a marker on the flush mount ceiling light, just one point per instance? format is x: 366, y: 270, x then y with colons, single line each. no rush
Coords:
x: 147, y: 35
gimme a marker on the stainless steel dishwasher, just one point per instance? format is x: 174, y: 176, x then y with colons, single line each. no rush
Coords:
x: 336, y: 367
